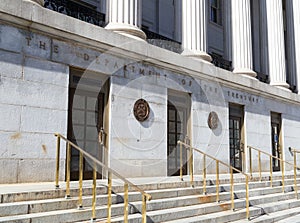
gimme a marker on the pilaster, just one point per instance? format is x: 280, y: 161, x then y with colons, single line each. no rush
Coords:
x: 241, y: 38
x: 124, y: 17
x: 194, y: 30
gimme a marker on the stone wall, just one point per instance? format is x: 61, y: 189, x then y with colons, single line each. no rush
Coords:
x: 33, y: 106
x: 36, y: 55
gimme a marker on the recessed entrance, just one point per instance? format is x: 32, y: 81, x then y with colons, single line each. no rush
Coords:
x: 236, y: 113
x: 178, y: 116
x: 276, y: 149
x: 85, y: 122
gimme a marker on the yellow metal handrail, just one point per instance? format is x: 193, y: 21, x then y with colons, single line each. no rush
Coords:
x: 82, y: 153
x: 271, y: 167
x: 218, y: 162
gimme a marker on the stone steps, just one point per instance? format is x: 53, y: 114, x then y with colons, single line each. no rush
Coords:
x: 171, y: 201
x: 33, y: 206
x: 201, y: 211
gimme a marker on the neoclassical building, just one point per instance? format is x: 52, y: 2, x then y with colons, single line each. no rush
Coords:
x: 126, y: 79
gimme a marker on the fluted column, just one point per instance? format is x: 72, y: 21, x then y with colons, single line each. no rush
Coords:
x: 264, y: 67
x: 241, y: 38
x: 276, y: 48
x: 124, y: 17
x: 296, y: 25
x: 194, y: 31
x: 290, y: 44
x: 227, y: 31
x: 39, y: 2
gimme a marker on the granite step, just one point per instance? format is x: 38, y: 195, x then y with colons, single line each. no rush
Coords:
x: 27, y: 207
x: 199, y: 212
x: 171, y: 200
x: 26, y: 192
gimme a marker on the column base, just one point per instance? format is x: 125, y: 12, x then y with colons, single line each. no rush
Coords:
x: 198, y: 55
x: 245, y: 72
x: 283, y: 86
x: 39, y: 2
x: 127, y: 30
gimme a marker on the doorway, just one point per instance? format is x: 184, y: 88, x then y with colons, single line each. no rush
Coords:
x: 236, y: 116
x: 276, y: 142
x: 85, y: 123
x: 178, y: 119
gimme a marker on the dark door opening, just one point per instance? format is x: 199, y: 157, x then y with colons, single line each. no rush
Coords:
x: 235, y: 136
x: 87, y: 92
x: 84, y: 126
x: 276, y: 149
x: 177, y: 130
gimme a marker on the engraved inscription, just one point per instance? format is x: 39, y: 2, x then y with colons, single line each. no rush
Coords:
x: 28, y: 41
x: 242, y: 96
x: 55, y: 49
x: 42, y: 45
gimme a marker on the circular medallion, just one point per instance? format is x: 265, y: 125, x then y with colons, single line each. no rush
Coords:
x: 213, y: 120
x: 141, y: 110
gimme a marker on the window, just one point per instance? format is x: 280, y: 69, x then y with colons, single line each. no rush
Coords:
x: 215, y: 12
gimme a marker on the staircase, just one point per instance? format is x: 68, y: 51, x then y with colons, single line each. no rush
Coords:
x: 172, y: 201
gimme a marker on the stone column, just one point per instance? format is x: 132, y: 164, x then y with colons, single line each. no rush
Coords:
x: 241, y: 38
x: 194, y: 42
x: 276, y: 48
x: 290, y: 44
x: 124, y: 17
x: 39, y: 2
x: 296, y: 21
x: 264, y: 67
x: 227, y: 31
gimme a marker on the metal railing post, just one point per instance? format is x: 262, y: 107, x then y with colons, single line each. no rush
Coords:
x: 181, y: 162
x: 282, y: 175
x: 57, y: 161
x: 295, y: 175
x: 217, y: 181
x: 80, y: 180
x: 144, y: 209
x: 68, y: 170
x: 204, y: 174
x: 109, y: 202
x: 271, y: 172
x: 191, y: 166
x: 94, y: 192
x: 250, y: 159
x: 247, y: 198
x: 231, y: 188
x: 259, y: 164
x: 125, y: 203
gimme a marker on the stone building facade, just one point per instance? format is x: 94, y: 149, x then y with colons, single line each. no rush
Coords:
x: 232, y: 81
